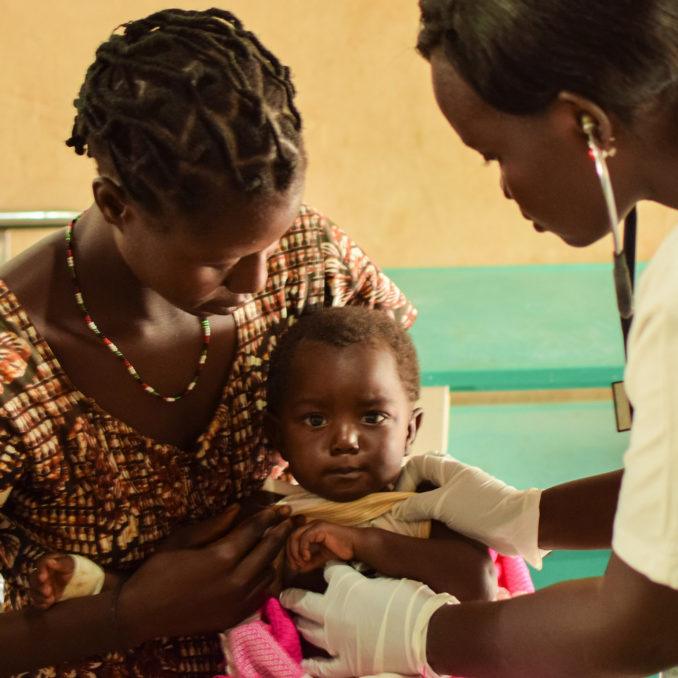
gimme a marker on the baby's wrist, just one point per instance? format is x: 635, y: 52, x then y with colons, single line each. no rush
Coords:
x: 365, y: 540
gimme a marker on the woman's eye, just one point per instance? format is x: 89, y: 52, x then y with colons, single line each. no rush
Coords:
x: 374, y: 418
x: 315, y: 420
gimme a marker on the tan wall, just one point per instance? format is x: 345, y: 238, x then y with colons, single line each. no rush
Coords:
x: 383, y: 163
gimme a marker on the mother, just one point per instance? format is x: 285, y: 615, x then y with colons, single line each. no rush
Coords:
x: 133, y: 352
x: 530, y: 84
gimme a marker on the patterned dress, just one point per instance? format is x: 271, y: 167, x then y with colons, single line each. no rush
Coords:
x: 75, y: 479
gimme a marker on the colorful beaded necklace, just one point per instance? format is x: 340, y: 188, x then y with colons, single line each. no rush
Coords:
x: 79, y: 300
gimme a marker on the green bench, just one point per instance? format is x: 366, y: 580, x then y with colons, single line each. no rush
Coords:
x: 515, y: 327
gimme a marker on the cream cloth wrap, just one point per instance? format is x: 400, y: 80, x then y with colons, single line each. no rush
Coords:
x: 87, y: 579
x: 373, y: 510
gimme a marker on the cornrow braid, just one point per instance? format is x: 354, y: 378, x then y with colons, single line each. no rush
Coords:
x: 181, y: 97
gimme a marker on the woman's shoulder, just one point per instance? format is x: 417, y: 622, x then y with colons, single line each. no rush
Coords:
x: 27, y: 291
x: 32, y: 273
x: 309, y: 228
x: 313, y: 231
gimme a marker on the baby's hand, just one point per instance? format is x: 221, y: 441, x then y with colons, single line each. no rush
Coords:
x: 312, y: 545
x: 48, y: 579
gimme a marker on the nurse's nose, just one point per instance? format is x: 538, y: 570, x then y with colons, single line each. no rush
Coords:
x: 249, y: 275
x: 345, y: 439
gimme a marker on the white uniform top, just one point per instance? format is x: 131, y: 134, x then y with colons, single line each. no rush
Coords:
x: 646, y: 525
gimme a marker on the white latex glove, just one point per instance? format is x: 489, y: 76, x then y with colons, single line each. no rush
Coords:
x: 367, y: 625
x: 474, y: 503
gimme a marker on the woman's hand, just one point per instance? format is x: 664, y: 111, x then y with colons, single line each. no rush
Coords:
x: 194, y: 535
x: 472, y: 502
x: 314, y: 544
x: 368, y: 626
x: 211, y: 586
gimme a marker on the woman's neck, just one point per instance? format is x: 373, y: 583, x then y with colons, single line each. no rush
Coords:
x: 113, y: 294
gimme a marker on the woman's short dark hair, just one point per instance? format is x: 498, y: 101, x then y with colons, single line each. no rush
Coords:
x: 181, y: 99
x: 519, y: 54
x: 343, y: 326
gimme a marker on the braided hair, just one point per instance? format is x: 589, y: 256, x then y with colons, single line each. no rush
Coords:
x: 181, y: 98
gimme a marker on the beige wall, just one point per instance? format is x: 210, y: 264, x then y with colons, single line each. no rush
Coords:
x: 383, y: 163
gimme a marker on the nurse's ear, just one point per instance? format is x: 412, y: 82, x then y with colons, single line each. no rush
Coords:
x: 583, y: 112
x: 272, y: 431
x: 416, y: 419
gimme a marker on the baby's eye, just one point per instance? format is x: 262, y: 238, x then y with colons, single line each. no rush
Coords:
x: 315, y: 420
x: 374, y: 418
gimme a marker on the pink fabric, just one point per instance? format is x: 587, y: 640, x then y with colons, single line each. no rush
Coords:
x: 512, y: 574
x: 271, y: 648
x: 266, y: 648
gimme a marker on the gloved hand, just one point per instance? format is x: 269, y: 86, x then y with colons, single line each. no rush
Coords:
x: 368, y: 625
x: 474, y: 503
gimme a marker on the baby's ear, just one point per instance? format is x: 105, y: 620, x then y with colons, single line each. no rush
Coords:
x: 413, y: 427
x: 272, y: 431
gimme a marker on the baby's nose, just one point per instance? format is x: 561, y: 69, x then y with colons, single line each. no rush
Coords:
x: 346, y: 439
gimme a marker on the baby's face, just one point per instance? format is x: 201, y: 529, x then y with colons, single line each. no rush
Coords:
x: 346, y: 420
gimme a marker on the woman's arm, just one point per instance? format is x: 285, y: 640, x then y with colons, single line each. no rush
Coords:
x: 175, y: 592
x: 69, y: 631
x: 621, y: 624
x: 574, y: 515
x: 579, y: 514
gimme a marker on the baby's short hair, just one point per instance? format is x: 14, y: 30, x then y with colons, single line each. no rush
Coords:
x: 343, y: 326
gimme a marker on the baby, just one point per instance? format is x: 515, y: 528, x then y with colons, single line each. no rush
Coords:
x: 342, y: 391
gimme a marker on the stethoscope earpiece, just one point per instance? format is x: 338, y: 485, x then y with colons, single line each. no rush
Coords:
x: 587, y: 125
x: 622, y: 279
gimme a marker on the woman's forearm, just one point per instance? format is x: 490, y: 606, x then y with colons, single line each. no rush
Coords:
x: 68, y: 631
x: 523, y: 636
x: 579, y: 514
x: 621, y: 624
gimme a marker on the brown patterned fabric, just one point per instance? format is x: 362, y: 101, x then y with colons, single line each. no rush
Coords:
x: 81, y: 481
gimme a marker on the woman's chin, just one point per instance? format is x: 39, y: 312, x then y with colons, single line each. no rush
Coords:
x: 573, y: 239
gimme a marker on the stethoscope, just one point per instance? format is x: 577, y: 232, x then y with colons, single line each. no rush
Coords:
x: 624, y: 251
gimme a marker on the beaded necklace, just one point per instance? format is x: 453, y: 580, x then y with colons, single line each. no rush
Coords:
x: 79, y: 300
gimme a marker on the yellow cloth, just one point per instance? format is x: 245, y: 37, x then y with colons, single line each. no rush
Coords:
x: 372, y: 510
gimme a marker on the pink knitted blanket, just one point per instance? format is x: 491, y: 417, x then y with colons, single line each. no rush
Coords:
x: 271, y: 648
